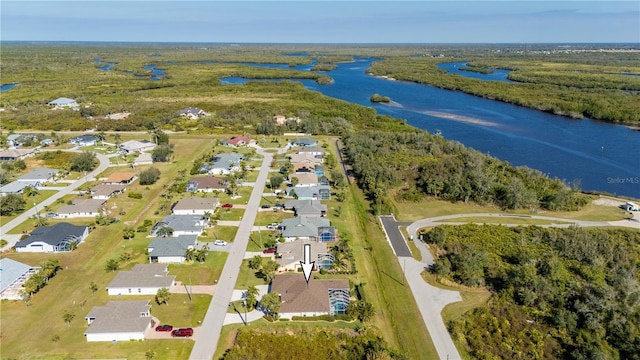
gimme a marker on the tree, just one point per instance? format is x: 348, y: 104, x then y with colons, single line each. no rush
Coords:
x: 255, y: 262
x: 111, y: 265
x: 162, y: 296
x: 295, y: 181
x: 190, y: 254
x: 276, y: 181
x: 149, y: 176
x: 117, y: 139
x: 268, y: 270
x: 162, y: 153
x: 86, y: 161
x: 251, y: 297
x: 128, y: 233
x: 19, y: 165
x: 93, y: 287
x: 164, y: 231
x: 271, y: 303
x: 67, y: 317
x: 361, y: 310
x: 11, y: 203
x: 201, y: 255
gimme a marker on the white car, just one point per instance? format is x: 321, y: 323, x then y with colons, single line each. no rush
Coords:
x: 220, y: 243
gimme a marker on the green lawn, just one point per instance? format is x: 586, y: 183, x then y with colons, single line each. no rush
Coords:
x: 233, y: 214
x: 226, y: 233
x: 206, y: 273
x: 182, y: 312
x: 265, y: 218
x: 247, y: 277
x: 42, y: 195
x: 504, y: 220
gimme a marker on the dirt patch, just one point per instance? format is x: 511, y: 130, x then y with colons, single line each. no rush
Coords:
x: 603, y: 201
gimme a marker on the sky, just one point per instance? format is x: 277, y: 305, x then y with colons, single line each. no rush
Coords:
x: 364, y: 21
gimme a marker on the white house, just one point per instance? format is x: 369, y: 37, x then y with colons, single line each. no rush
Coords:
x: 14, y: 274
x: 63, y: 102
x: 132, y: 146
x: 18, y: 187
x: 106, y: 191
x: 119, y: 321
x: 57, y: 238
x: 291, y: 253
x: 181, y: 225
x: 84, y: 140
x: 143, y: 279
x: 42, y: 175
x: 195, y: 206
x: 171, y: 250
x: 82, y: 208
x: 223, y: 164
x: 192, y: 113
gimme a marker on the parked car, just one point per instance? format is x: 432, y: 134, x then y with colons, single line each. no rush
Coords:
x: 269, y: 251
x: 182, y: 332
x: 279, y: 206
x: 220, y: 243
x: 265, y: 206
x: 273, y: 226
x: 227, y: 205
x: 164, y: 328
x: 50, y: 214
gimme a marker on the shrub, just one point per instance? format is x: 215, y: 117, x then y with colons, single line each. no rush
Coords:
x: 134, y: 195
x: 149, y: 176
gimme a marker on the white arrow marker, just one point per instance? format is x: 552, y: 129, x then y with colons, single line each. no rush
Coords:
x: 307, y: 265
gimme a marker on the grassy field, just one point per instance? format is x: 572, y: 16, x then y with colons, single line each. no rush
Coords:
x: 247, y: 277
x: 505, y: 220
x: 182, y: 312
x: 200, y: 274
x: 29, y: 203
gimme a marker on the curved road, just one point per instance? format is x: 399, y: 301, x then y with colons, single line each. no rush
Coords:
x: 104, y: 164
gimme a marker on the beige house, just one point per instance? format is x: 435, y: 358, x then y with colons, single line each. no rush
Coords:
x: 195, y: 206
x: 318, y: 297
x: 82, y: 208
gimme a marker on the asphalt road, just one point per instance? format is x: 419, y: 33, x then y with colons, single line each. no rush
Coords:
x: 104, y: 164
x: 209, y: 335
x: 395, y: 238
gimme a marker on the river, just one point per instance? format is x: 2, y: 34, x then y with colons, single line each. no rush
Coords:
x: 598, y: 156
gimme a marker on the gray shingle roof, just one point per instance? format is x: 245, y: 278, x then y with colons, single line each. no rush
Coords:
x: 301, y: 226
x: 10, y: 271
x: 180, y: 223
x: 293, y: 252
x: 119, y: 316
x: 197, y: 203
x: 40, y: 174
x: 54, y: 235
x: 18, y: 186
x: 143, y: 276
x: 176, y: 246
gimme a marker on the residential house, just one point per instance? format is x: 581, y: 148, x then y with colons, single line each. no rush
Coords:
x: 313, y: 150
x: 121, y: 178
x: 317, y: 297
x: 306, y: 208
x: 13, y: 140
x: 319, y: 169
x: 123, y: 320
x: 18, y: 140
x: 307, y: 228
x: 206, y: 184
x: 14, y: 274
x: 132, y: 146
x: 18, y: 187
x: 41, y: 175
x: 143, y: 159
x: 118, y: 116
x: 237, y: 141
x: 46, y: 142
x: 316, y: 192
x: 192, y: 113
x: 57, y: 238
x: 143, y: 279
x: 85, y: 140
x: 171, y: 250
x: 82, y: 208
x: 63, y: 102
x: 280, y: 119
x: 290, y: 254
x: 304, y: 142
x: 306, y: 158
x: 182, y: 225
x: 223, y: 164
x: 305, y: 179
x: 195, y: 206
x: 106, y: 191
x: 16, y: 154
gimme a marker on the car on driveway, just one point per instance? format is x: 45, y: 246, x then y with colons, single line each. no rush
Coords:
x: 269, y: 251
x: 220, y: 243
x: 227, y: 205
x: 164, y: 328
x: 50, y: 214
x: 265, y: 206
x: 182, y: 332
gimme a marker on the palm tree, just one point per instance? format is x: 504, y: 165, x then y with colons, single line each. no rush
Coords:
x: 30, y: 191
x: 116, y: 139
x: 190, y: 254
x: 162, y: 296
x: 251, y: 297
x: 101, y: 136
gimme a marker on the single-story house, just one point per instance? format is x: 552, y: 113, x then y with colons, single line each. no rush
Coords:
x: 316, y: 192
x: 318, y: 297
x: 280, y: 119
x: 16, y: 154
x: 143, y: 159
x: 306, y: 157
x: 171, y: 250
x: 307, y: 228
x: 305, y: 179
x: 17, y: 187
x: 237, y: 141
x: 306, y: 208
x: 85, y: 140
x: 206, y: 184
x: 118, y: 116
x: 17, y: 140
x: 46, y: 142
x: 14, y: 274
x: 192, y: 113
x: 63, y: 102
x: 13, y: 140
x: 57, y: 238
x: 313, y: 150
x: 82, y: 208
x: 119, y: 178
x: 305, y: 142
x: 106, y: 191
x: 119, y: 321
x: 195, y: 205
x: 291, y: 253
x: 223, y: 164
x: 143, y: 279
x: 132, y: 146
x: 182, y: 225
x: 41, y: 175
x: 303, y: 168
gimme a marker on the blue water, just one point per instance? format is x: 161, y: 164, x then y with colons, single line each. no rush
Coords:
x: 5, y: 87
x: 157, y: 73
x: 600, y: 156
x: 496, y: 75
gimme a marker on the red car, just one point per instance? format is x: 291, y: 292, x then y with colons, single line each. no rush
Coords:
x: 269, y: 251
x: 182, y: 332
x: 227, y: 205
x: 164, y: 328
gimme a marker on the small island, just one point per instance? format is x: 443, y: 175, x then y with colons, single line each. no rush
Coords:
x: 377, y: 98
